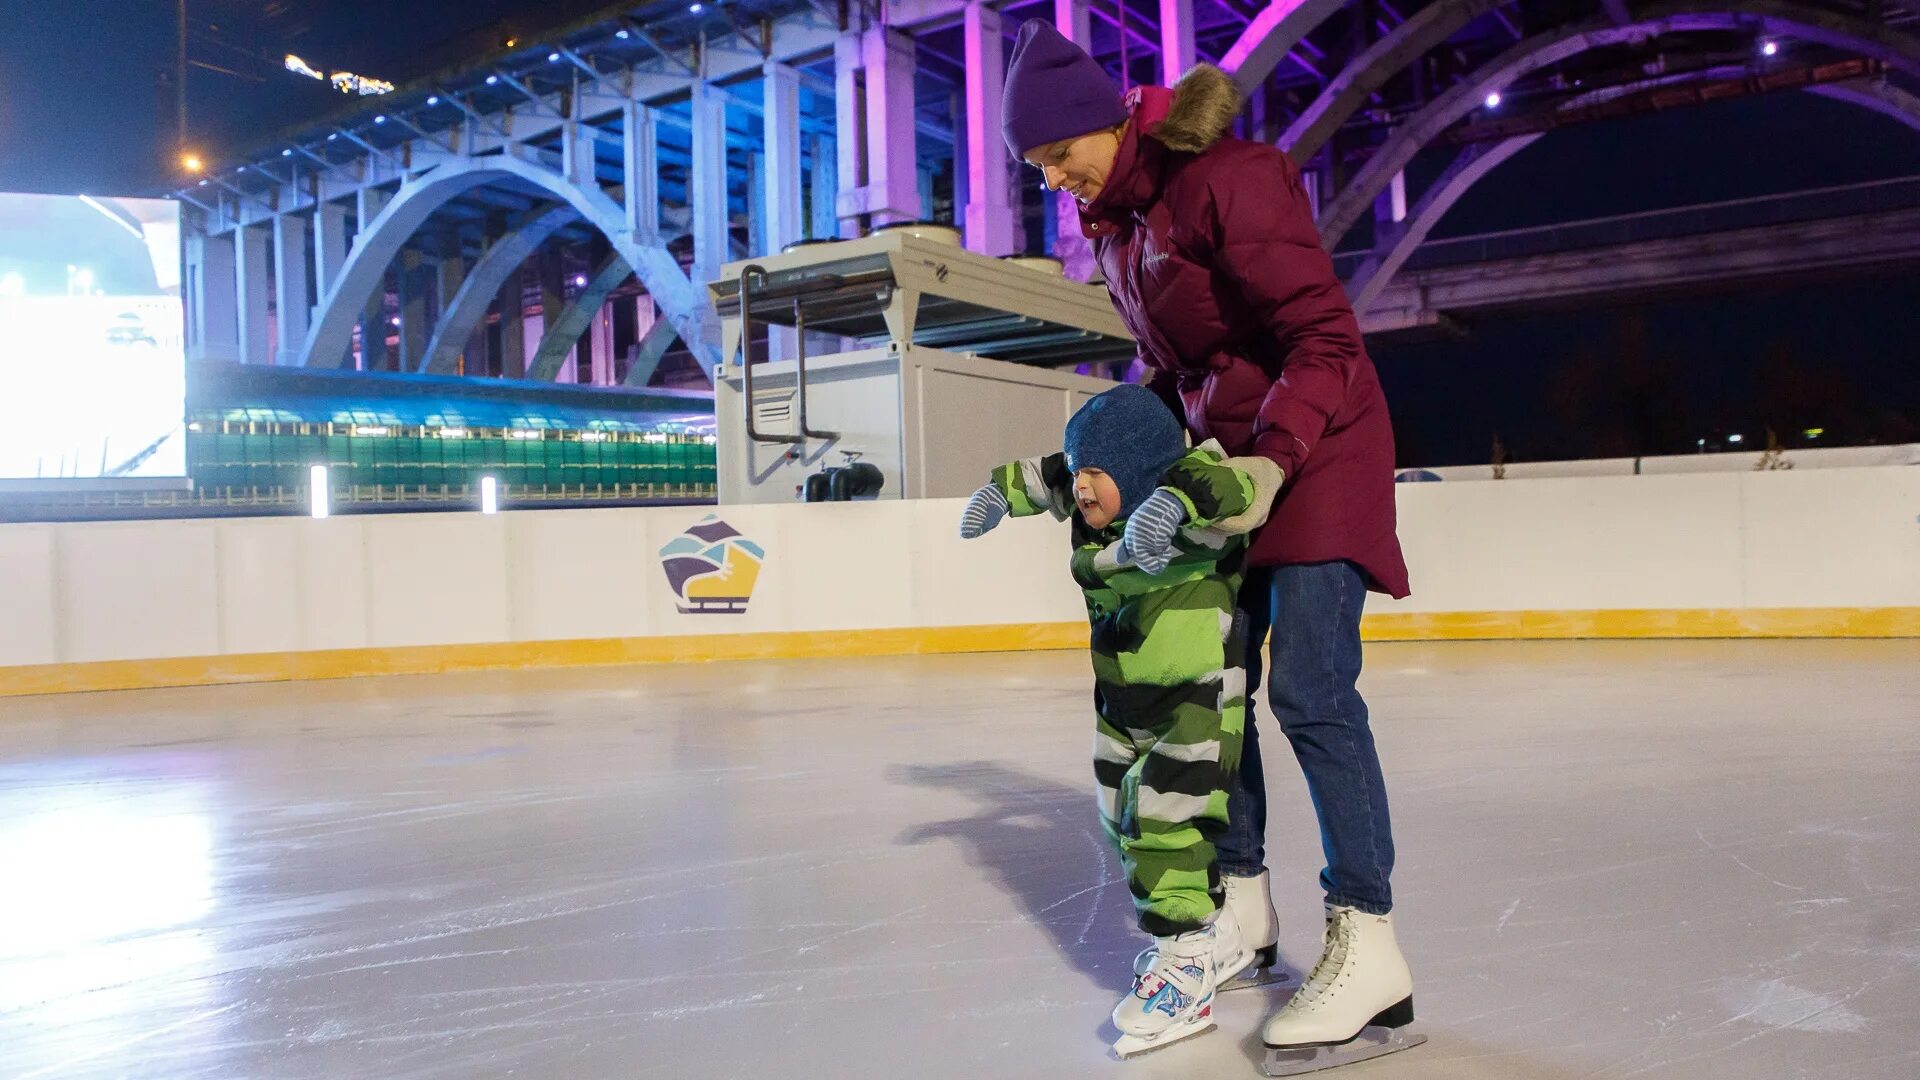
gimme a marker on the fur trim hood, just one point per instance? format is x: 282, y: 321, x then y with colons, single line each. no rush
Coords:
x: 1203, y: 106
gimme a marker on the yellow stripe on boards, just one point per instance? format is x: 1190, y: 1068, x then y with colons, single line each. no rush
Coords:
x: 1631, y: 623
x: 1893, y: 622
x: 531, y: 655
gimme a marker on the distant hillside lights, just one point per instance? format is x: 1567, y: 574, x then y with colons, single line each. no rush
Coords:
x: 344, y: 81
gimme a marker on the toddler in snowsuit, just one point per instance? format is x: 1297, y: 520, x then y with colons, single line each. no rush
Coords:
x: 1159, y: 542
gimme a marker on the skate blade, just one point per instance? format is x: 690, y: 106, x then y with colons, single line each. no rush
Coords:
x: 1132, y: 1046
x: 1252, y: 977
x: 1371, y: 1043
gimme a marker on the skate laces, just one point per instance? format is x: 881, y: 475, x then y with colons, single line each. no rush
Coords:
x: 1339, y: 945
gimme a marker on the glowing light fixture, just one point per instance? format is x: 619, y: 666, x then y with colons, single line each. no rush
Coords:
x: 317, y: 490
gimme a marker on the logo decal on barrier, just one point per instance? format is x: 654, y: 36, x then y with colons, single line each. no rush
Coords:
x: 712, y: 568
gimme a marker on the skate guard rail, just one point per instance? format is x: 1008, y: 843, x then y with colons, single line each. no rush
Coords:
x: 110, y: 605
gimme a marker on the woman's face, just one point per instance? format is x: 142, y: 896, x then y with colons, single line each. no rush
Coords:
x: 1080, y: 165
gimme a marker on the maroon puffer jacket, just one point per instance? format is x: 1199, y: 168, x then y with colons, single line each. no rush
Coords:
x: 1212, y: 258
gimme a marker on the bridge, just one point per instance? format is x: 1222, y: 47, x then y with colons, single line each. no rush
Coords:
x: 1778, y: 238
x: 552, y: 208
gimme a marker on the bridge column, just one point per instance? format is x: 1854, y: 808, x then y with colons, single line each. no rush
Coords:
x: 824, y: 185
x: 640, y: 157
x: 513, y: 325
x: 601, y: 346
x: 553, y: 301
x: 879, y: 177
x: 329, y: 245
x: 448, y: 273
x: 415, y: 281
x: 709, y: 195
x: 989, y: 217
x: 290, y: 286
x: 212, y: 315
x: 373, y: 319
x: 781, y: 85
x: 252, y: 281
x: 780, y: 179
x: 1176, y: 39
x: 1070, y: 245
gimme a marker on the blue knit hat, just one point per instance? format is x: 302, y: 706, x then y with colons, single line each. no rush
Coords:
x: 1054, y: 91
x: 1129, y: 434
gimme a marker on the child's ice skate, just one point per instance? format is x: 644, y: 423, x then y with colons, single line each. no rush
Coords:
x: 1245, y: 937
x: 1172, y: 999
x: 1355, y: 1005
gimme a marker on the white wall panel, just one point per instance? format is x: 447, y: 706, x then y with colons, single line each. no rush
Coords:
x: 1601, y: 542
x: 137, y: 590
x: 28, y: 631
x: 333, y: 584
x: 581, y: 574
x: 260, y: 584
x: 1832, y: 538
x: 435, y: 579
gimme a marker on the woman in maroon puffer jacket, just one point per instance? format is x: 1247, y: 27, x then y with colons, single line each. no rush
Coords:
x: 1210, y: 252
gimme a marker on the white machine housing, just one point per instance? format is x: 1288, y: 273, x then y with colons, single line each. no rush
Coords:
x: 943, y: 364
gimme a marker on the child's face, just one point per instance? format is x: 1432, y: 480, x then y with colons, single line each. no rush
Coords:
x: 1098, y: 497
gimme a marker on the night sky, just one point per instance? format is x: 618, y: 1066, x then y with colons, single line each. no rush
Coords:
x: 87, y: 104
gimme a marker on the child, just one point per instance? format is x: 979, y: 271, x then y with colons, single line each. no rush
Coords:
x: 1159, y: 538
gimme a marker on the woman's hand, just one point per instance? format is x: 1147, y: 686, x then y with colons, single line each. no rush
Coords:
x: 984, y: 511
x: 1148, y: 540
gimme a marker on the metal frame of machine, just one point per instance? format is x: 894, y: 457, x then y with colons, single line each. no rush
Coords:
x: 951, y: 369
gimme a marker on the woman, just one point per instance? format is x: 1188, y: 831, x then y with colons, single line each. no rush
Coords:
x: 1210, y: 253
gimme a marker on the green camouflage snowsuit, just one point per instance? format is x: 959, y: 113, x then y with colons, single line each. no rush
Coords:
x: 1169, y: 689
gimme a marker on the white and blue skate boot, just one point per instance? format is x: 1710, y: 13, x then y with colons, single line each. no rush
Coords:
x: 1246, y: 936
x: 1172, y: 999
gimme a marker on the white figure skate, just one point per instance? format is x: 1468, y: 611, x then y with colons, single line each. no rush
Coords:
x: 1172, y: 999
x: 1255, y: 932
x: 1246, y: 933
x: 1355, y: 1005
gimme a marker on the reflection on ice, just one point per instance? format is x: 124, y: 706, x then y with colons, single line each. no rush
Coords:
x: 101, y: 895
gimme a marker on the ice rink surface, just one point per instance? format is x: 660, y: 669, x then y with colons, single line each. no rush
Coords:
x: 1679, y: 860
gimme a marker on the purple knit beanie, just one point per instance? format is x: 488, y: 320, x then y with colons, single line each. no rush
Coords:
x: 1054, y: 91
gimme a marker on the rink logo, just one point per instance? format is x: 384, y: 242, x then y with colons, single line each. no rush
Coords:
x: 712, y: 568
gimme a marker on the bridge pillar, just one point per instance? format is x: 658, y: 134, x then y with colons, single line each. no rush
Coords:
x: 709, y: 195
x: 252, y: 279
x: 824, y: 184
x: 374, y: 324
x: 989, y: 215
x: 879, y: 178
x: 415, y: 279
x: 640, y: 156
x: 780, y: 178
x: 290, y: 286
x: 513, y: 324
x: 212, y: 296
x: 1176, y: 39
x: 1070, y: 246
x: 329, y: 245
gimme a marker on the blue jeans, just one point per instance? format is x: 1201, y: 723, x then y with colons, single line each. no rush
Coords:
x: 1314, y: 613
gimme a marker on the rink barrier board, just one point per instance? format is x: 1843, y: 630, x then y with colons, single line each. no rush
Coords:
x: 1891, y: 622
